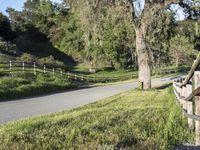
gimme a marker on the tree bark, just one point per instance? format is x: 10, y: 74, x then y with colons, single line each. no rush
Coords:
x: 143, y: 57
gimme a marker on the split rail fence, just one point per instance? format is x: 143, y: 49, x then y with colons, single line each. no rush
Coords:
x: 187, y: 92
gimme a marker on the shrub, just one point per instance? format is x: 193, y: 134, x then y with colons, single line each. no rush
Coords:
x: 27, y: 58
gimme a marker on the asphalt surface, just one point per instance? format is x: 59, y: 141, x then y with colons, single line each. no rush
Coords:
x: 20, y: 109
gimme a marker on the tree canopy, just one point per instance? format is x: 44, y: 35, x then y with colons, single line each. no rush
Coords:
x: 102, y: 33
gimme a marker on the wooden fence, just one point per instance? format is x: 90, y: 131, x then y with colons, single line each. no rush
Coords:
x: 12, y: 67
x: 187, y: 92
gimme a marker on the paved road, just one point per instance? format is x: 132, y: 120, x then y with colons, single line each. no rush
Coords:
x: 19, y: 109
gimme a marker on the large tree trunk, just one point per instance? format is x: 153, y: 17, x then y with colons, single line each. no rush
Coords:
x: 143, y: 57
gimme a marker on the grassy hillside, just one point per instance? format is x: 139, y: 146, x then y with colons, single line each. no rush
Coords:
x: 131, y: 120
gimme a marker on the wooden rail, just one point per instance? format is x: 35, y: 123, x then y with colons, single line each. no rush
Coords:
x: 11, y: 67
x: 14, y: 67
x: 187, y: 92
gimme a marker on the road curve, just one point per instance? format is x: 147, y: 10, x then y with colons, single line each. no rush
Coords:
x: 19, y: 109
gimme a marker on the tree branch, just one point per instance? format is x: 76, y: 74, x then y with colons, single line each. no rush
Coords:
x: 96, y: 4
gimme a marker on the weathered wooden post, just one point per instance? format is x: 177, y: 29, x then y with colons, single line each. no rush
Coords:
x: 184, y: 95
x: 181, y: 95
x: 34, y: 68
x: 189, y: 105
x: 197, y: 107
x: 179, y: 89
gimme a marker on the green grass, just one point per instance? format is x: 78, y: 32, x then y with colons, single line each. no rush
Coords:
x: 126, y: 74
x: 28, y: 84
x: 106, y: 72
x: 134, y: 120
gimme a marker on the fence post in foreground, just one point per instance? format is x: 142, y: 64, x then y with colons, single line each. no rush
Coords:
x: 185, y: 95
x: 189, y: 106
x: 181, y: 94
x: 197, y: 107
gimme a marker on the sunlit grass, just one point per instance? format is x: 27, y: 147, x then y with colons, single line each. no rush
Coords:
x: 131, y: 120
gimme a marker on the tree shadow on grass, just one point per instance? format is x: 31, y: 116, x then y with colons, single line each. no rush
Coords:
x: 125, y: 143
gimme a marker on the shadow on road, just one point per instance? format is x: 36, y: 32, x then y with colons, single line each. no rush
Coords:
x: 163, y: 86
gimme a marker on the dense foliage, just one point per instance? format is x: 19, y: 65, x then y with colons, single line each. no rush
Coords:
x: 100, y: 37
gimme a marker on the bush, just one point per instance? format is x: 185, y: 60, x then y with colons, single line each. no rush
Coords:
x: 27, y: 58
x: 50, y: 61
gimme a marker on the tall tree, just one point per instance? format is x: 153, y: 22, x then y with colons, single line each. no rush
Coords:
x: 107, y: 31
x: 143, y: 12
x: 5, y: 28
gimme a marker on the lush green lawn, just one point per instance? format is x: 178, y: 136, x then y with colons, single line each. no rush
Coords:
x: 132, y: 120
x: 28, y: 84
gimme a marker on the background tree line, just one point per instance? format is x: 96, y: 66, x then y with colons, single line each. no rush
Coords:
x: 96, y: 35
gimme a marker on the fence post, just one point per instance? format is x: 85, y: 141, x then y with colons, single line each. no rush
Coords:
x: 61, y: 72
x: 82, y: 78
x: 197, y: 107
x: 34, y: 68
x: 53, y: 71
x: 10, y: 67
x: 44, y: 69
x: 75, y: 77
x: 185, y: 95
x: 181, y: 95
x: 68, y: 75
x: 23, y: 66
x: 189, y: 106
